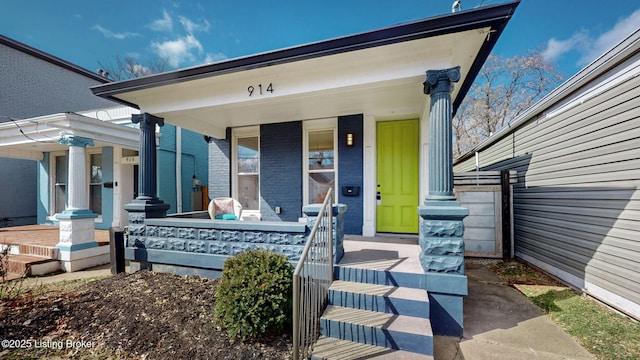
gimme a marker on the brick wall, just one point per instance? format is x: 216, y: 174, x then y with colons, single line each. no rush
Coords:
x: 281, y: 171
x: 220, y: 167
x: 350, y: 171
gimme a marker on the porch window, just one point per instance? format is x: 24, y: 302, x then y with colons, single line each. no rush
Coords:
x: 320, y: 163
x: 95, y: 183
x: 60, y: 187
x: 246, y: 167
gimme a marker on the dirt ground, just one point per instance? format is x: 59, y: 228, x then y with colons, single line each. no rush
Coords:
x: 144, y: 315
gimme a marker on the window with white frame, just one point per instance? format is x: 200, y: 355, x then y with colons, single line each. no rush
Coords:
x: 320, y: 167
x: 246, y: 168
x: 60, y: 179
x: 95, y: 183
x: 59, y: 184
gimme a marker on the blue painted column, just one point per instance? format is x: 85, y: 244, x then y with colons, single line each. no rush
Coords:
x: 147, y: 205
x: 441, y: 216
x: 441, y: 227
x: 147, y: 201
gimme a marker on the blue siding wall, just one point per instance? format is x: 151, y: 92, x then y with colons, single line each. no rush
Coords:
x: 166, y: 167
x: 17, y: 198
x: 194, y: 162
x: 350, y: 171
x: 107, y: 193
x: 43, y: 189
x: 220, y: 167
x: 281, y: 171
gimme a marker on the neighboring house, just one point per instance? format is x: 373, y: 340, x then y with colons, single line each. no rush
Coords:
x: 35, y: 84
x: 577, y: 200
x: 43, y: 96
x: 279, y: 122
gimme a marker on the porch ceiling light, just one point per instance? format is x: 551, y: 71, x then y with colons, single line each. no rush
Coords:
x: 350, y: 139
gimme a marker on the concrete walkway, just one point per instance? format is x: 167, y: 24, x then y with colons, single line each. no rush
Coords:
x: 500, y: 323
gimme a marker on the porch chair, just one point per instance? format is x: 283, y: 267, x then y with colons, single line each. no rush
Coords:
x: 225, y: 208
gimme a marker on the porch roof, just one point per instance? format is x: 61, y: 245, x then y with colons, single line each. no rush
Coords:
x: 31, y: 138
x: 377, y: 73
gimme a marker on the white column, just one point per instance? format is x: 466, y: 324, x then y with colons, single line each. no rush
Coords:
x: 77, y: 247
x: 77, y: 182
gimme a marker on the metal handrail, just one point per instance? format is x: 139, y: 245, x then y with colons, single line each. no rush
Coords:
x: 311, y: 281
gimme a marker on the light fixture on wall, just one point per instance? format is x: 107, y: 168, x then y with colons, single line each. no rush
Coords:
x: 350, y: 139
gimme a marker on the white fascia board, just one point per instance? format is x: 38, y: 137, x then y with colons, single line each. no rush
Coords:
x: 15, y: 153
x: 47, y: 129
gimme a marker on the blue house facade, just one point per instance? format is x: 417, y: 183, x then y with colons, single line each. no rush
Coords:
x: 367, y: 115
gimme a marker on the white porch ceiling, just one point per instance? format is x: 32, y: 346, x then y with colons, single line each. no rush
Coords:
x: 31, y: 138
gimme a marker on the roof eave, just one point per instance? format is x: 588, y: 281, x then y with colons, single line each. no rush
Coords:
x: 51, y: 59
x: 495, y: 16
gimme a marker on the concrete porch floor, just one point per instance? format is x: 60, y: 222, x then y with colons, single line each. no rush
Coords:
x: 392, y: 252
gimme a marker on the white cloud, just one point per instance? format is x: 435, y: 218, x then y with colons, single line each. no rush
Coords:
x: 589, y: 47
x: 623, y: 28
x: 211, y: 58
x: 556, y: 48
x: 178, y: 51
x: 110, y: 34
x: 192, y: 27
x: 164, y: 24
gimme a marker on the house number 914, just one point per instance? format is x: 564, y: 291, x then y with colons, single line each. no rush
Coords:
x: 259, y: 89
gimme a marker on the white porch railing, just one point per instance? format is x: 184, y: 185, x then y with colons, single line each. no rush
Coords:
x: 311, y: 281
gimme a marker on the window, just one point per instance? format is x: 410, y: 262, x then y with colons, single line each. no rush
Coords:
x: 60, y: 184
x: 60, y: 181
x: 320, y: 160
x: 246, y: 168
x: 95, y: 183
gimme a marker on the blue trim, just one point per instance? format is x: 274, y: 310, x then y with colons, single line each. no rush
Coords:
x: 107, y: 193
x: 76, y: 247
x: 73, y: 140
x: 43, y: 188
x: 279, y: 226
x: 77, y: 214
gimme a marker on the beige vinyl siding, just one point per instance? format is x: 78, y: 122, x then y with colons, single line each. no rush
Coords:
x: 577, y: 200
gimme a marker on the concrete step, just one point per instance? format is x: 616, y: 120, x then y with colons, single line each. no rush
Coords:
x: 381, y: 298
x: 398, y: 332
x: 336, y: 349
x: 31, y: 265
x: 379, y: 277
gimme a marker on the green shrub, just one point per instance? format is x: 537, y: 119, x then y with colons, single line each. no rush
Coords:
x: 254, y: 295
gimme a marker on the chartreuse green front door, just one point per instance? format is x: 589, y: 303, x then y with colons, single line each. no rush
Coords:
x: 397, y: 176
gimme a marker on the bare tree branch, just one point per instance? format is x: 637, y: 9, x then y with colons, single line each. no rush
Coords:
x: 128, y: 68
x: 504, y: 88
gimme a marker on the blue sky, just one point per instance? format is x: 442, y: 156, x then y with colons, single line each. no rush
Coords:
x: 571, y: 33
